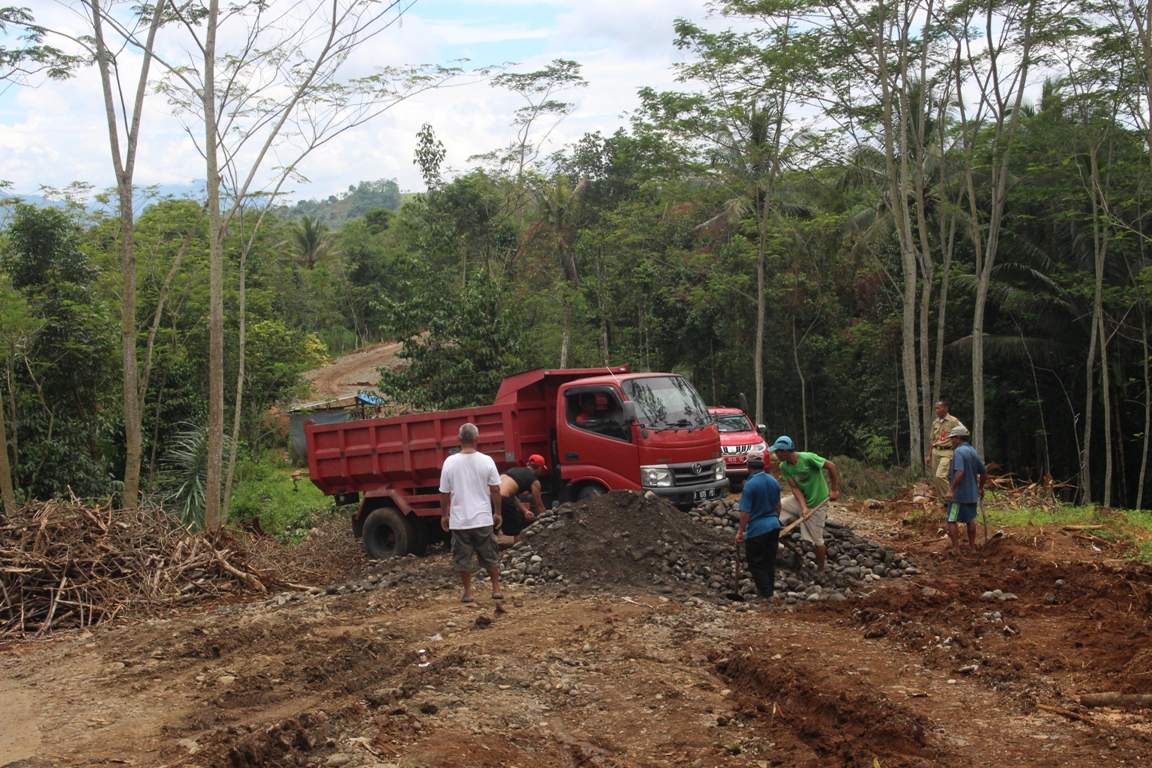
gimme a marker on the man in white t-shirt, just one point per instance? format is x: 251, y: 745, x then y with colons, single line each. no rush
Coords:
x: 469, y: 492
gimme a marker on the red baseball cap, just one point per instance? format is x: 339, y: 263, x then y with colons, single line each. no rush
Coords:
x: 536, y: 460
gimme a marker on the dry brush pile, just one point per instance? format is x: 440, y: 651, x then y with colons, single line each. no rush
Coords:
x: 68, y: 565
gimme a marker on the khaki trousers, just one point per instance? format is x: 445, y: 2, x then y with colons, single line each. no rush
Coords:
x: 940, y: 468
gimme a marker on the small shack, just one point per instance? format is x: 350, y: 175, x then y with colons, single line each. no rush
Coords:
x: 362, y: 405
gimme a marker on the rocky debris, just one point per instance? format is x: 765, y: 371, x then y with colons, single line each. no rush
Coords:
x: 623, y: 540
x: 996, y: 594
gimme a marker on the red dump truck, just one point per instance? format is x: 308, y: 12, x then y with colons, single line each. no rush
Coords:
x: 602, y: 429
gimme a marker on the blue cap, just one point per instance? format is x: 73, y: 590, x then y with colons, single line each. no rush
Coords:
x: 783, y: 443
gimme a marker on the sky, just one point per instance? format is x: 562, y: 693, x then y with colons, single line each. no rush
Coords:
x: 55, y: 133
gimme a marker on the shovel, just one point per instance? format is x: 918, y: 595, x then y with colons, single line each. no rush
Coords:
x: 735, y: 593
x: 984, y: 517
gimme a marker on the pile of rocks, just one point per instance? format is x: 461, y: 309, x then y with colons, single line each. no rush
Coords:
x: 624, y: 540
x: 851, y: 560
x: 621, y: 541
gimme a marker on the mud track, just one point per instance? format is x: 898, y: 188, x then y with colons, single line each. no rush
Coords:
x: 922, y: 672
x: 352, y: 373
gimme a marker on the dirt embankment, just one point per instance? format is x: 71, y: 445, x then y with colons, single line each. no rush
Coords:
x: 352, y: 373
x: 917, y: 670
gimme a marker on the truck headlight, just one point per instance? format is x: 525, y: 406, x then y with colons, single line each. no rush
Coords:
x: 761, y: 446
x: 720, y: 473
x: 656, y: 476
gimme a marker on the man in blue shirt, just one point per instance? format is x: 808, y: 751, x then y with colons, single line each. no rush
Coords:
x: 968, y: 477
x: 760, y: 524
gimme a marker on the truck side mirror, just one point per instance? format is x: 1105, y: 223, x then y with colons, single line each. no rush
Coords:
x: 629, y: 411
x: 762, y: 429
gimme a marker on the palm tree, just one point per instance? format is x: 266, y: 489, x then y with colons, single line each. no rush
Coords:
x: 313, y: 240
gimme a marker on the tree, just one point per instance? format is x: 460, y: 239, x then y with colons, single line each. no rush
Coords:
x: 459, y: 344
x: 752, y: 84
x: 124, y: 126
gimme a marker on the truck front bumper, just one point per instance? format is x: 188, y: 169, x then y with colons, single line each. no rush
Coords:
x: 687, y: 497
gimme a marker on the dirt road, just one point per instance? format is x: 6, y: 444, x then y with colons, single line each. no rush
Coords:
x: 352, y: 373
x: 921, y: 672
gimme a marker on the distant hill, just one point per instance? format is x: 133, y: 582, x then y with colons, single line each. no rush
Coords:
x: 337, y: 209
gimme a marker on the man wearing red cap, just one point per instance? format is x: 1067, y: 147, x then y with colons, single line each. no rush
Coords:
x: 514, y: 482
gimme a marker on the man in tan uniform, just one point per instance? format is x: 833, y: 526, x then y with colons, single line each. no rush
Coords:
x: 939, y: 459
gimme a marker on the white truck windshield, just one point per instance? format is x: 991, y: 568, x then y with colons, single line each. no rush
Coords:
x: 667, y: 402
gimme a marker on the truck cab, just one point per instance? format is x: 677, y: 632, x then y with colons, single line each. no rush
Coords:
x: 643, y: 432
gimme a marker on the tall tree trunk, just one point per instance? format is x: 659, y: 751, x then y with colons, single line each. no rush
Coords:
x: 124, y: 167
x: 1147, y: 410
x: 1106, y: 396
x: 926, y: 358
x: 1007, y: 118
x: 942, y: 304
x: 566, y: 332
x: 1089, y: 401
x: 212, y: 520
x: 7, y: 492
x: 761, y: 310
x: 803, y: 386
x: 239, y: 409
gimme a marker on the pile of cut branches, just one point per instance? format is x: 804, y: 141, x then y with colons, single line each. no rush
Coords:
x: 67, y: 565
x: 1045, y: 494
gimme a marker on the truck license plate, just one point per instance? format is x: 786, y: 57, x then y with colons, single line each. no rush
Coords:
x: 710, y: 493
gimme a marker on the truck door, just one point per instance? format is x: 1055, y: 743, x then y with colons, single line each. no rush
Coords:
x: 594, y: 443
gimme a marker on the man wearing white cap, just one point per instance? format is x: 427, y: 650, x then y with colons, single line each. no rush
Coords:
x: 810, y: 494
x: 968, y: 477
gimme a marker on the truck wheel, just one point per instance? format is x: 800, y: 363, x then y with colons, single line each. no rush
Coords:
x: 386, y: 534
x: 589, y: 492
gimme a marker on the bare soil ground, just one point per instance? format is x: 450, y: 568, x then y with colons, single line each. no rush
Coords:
x: 353, y: 372
x: 921, y: 672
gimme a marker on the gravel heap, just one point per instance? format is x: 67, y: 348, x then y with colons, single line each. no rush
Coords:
x: 623, y: 541
x: 851, y: 561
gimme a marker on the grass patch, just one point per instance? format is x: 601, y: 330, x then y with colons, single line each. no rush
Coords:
x: 1132, y: 527
x: 287, y: 507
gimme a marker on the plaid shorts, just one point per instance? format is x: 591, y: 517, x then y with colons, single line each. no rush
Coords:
x: 482, y: 541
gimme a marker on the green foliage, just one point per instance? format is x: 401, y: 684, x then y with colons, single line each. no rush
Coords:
x: 186, y: 473
x: 459, y: 345
x: 276, y: 357
x: 355, y: 202
x: 286, y: 506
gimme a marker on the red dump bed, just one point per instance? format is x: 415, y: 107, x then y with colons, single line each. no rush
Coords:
x: 406, y: 452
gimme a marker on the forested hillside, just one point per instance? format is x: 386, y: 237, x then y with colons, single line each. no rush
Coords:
x: 847, y: 212
x: 353, y: 203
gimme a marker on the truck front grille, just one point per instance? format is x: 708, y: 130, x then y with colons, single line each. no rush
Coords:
x: 694, y: 474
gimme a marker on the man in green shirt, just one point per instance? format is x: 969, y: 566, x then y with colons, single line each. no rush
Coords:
x: 810, y: 494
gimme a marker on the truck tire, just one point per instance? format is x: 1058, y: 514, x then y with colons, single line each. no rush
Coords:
x: 590, y: 491
x: 387, y: 534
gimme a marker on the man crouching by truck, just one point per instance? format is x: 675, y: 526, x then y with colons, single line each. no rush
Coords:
x: 514, y: 482
x: 469, y: 492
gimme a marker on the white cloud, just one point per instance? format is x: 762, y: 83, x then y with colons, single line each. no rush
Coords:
x: 56, y: 133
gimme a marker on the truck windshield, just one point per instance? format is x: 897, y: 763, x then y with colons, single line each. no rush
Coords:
x: 667, y: 402
x: 734, y: 422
